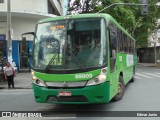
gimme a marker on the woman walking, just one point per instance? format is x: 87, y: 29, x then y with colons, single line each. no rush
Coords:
x: 9, y: 74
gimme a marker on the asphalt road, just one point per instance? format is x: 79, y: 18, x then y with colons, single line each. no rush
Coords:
x: 142, y: 95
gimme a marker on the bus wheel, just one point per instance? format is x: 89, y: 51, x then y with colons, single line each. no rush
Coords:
x: 133, y: 77
x: 121, y: 88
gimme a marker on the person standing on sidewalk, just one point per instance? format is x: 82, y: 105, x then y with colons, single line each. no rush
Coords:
x: 9, y: 74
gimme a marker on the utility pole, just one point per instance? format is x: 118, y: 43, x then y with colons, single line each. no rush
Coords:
x: 144, y: 8
x: 9, y: 30
x: 155, y: 53
x: 127, y: 4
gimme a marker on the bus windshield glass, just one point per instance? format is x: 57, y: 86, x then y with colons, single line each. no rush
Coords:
x: 74, y: 44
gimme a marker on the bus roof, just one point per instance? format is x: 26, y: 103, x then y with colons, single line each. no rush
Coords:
x: 89, y: 15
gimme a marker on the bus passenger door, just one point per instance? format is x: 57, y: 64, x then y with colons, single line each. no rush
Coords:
x: 113, y: 49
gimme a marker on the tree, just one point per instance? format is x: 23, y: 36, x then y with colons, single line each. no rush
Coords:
x: 130, y: 17
x: 147, y: 24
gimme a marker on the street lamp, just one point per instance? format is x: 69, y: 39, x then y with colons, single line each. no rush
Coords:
x: 127, y: 4
x: 9, y: 30
x: 155, y: 52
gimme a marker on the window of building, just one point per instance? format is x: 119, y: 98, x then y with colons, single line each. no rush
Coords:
x: 2, y: 37
x: 2, y: 46
x: 1, y: 1
x: 51, y: 9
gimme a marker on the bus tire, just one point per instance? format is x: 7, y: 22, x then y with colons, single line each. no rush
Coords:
x: 133, y: 77
x: 121, y: 89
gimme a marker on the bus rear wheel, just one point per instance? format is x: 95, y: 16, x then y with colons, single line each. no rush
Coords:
x: 121, y: 89
x: 133, y: 77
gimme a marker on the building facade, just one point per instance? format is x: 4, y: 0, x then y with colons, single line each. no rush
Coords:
x: 154, y: 39
x: 24, y: 16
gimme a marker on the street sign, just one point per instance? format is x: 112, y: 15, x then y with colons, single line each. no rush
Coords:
x: 144, y: 8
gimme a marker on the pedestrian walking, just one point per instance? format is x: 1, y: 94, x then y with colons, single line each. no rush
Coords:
x: 9, y: 74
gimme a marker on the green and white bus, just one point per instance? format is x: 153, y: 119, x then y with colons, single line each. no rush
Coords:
x: 81, y: 59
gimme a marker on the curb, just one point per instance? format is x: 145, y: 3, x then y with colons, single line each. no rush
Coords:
x: 148, y: 65
x: 16, y: 88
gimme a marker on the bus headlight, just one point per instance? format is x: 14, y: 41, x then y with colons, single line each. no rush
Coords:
x: 32, y: 74
x: 98, y: 80
x: 102, y: 77
x: 33, y: 78
x: 36, y: 80
x: 39, y: 82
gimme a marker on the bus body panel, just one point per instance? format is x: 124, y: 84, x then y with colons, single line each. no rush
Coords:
x: 93, y: 94
x: 122, y: 66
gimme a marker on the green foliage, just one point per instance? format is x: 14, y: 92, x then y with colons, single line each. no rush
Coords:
x: 130, y: 17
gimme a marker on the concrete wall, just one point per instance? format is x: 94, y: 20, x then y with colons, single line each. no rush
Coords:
x: 19, y: 25
x: 3, y: 25
x: 22, y: 25
x: 147, y: 55
x: 31, y: 6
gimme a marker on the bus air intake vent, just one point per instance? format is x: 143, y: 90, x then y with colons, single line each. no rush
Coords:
x: 78, y: 98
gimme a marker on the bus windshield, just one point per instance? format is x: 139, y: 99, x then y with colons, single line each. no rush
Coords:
x: 74, y: 44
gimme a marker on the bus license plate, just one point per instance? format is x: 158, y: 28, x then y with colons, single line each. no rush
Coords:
x: 68, y: 93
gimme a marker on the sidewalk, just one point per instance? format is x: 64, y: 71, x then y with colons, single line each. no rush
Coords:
x: 21, y: 81
x: 149, y: 64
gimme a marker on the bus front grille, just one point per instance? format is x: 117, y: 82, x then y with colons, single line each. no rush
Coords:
x: 78, y: 98
x: 75, y: 84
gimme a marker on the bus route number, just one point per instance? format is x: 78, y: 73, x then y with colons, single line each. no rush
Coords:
x: 82, y: 76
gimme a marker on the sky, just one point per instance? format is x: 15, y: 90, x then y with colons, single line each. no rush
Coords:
x: 65, y: 6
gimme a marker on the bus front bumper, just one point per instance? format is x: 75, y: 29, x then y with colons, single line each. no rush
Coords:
x: 87, y: 95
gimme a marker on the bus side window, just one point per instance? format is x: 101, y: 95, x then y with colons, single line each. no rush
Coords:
x: 113, y: 44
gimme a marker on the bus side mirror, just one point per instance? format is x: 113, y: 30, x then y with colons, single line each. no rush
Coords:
x: 70, y: 25
x: 28, y: 33
x: 23, y: 39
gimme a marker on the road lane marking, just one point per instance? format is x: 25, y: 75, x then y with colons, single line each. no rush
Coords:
x: 15, y: 92
x: 152, y: 74
x: 137, y: 77
x: 157, y: 73
x: 143, y: 75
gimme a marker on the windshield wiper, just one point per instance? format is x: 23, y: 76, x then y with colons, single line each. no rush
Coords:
x: 50, y: 62
x: 75, y: 59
